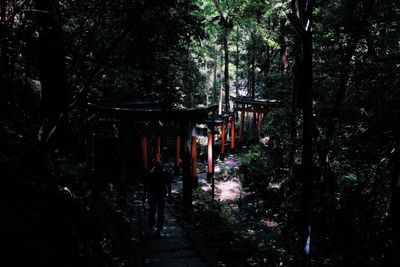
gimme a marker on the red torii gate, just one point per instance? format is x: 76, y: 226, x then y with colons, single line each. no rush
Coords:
x: 186, y: 143
x: 256, y: 106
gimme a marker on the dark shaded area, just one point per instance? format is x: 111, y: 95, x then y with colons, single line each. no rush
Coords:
x: 316, y: 178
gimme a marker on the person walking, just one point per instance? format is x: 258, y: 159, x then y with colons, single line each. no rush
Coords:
x: 157, y: 192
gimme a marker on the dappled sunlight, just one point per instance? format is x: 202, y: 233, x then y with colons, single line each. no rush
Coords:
x: 225, y: 190
x: 228, y: 190
x: 176, y: 187
x: 274, y: 185
x: 217, y: 168
x: 264, y: 140
x: 269, y: 223
x: 206, y: 187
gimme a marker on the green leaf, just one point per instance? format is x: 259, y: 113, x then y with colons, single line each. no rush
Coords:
x: 350, y: 177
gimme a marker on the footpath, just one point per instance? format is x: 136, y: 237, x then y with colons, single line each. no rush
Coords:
x: 179, y: 245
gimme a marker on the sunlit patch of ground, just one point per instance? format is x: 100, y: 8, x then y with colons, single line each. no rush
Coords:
x: 206, y: 187
x: 228, y: 190
x: 225, y: 190
x: 269, y: 223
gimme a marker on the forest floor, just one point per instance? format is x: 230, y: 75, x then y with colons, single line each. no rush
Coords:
x: 250, y: 222
x: 228, y: 231
x: 240, y: 227
x: 182, y: 242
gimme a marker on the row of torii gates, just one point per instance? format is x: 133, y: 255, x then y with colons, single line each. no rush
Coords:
x: 152, y: 120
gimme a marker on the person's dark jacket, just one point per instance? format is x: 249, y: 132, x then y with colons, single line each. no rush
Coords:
x: 157, y: 183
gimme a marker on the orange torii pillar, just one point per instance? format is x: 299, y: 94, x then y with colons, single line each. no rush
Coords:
x: 158, y: 149
x: 241, y: 126
x: 222, y: 154
x: 210, y: 161
x: 145, y: 154
x: 194, y: 161
x: 177, y: 156
x: 209, y: 156
x: 233, y: 134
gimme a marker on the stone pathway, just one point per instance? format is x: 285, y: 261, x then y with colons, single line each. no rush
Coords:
x: 179, y: 245
x: 174, y: 248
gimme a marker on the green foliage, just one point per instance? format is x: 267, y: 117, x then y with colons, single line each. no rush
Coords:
x: 350, y: 177
x: 252, y: 154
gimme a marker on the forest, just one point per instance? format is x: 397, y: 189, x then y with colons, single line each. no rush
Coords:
x: 276, y: 121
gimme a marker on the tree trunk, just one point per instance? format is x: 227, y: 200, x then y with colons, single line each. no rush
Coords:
x: 221, y: 88
x: 395, y: 199
x: 54, y: 93
x: 307, y: 141
x: 253, y: 67
x: 293, y: 119
x: 215, y: 76
x: 206, y: 89
x: 226, y: 72
x: 284, y: 48
x: 302, y: 19
x: 237, y: 61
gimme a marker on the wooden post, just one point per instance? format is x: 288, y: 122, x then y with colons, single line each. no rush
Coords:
x: 177, y: 156
x: 145, y: 155
x: 241, y: 126
x: 222, y: 155
x: 260, y: 117
x: 233, y: 134
x: 194, y: 161
x: 210, y: 170
x: 186, y: 173
x: 212, y: 165
x: 209, y: 156
x: 158, y: 149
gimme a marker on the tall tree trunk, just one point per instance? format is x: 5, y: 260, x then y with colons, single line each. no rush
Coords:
x: 54, y: 93
x: 215, y: 76
x: 301, y: 18
x: 395, y: 199
x: 284, y: 47
x: 5, y: 58
x: 307, y: 141
x: 206, y: 89
x: 253, y: 67
x: 221, y: 88
x: 226, y: 72
x: 293, y: 119
x: 237, y: 61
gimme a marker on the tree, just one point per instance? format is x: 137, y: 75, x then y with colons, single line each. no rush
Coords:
x: 302, y: 20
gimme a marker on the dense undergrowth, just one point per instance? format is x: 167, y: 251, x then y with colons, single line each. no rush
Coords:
x: 262, y: 226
